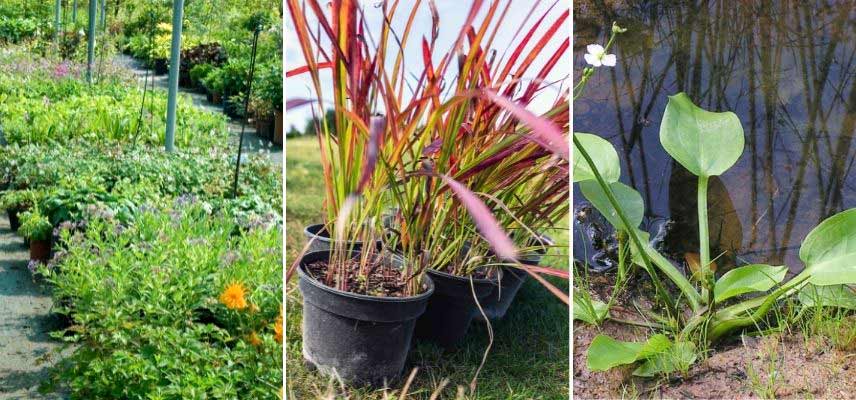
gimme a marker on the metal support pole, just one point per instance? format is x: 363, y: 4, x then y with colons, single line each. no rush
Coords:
x: 90, y: 42
x: 103, y: 15
x: 58, y: 20
x: 246, y: 105
x: 174, y: 66
x: 74, y: 11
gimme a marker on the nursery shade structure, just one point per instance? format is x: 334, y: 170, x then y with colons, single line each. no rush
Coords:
x: 174, y: 60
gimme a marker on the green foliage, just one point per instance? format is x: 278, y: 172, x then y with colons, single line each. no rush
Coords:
x: 589, y: 310
x: 829, y: 250
x: 34, y: 225
x: 16, y: 30
x: 629, y: 200
x: 747, y: 279
x: 605, y: 353
x: 706, y: 143
x: 659, y: 355
x: 48, y: 110
x: 604, y: 156
x: 841, y: 296
x: 146, y: 311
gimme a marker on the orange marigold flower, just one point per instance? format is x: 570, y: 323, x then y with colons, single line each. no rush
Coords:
x: 277, y: 327
x: 234, y: 296
x: 254, y: 339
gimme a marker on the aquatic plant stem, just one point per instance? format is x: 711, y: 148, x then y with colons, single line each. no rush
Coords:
x: 631, y: 230
x: 704, y: 241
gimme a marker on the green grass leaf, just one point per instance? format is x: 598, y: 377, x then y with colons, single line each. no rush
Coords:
x: 589, y: 310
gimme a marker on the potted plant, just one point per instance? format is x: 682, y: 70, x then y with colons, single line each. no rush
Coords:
x: 214, y: 85
x: 15, y: 202
x: 198, y: 73
x: 37, y: 229
x: 404, y: 159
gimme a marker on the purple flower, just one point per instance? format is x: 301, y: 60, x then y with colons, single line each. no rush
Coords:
x: 32, y: 266
x: 61, y: 70
x: 185, y: 200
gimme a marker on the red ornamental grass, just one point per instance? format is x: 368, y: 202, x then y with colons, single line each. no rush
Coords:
x: 438, y: 136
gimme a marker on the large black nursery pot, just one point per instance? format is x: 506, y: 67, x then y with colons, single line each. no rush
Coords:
x: 14, y: 221
x: 161, y: 66
x: 321, y: 241
x: 361, y: 339
x: 496, y: 305
x: 452, y: 307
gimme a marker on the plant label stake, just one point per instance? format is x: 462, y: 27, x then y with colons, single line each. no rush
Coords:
x: 174, y: 60
x: 256, y: 32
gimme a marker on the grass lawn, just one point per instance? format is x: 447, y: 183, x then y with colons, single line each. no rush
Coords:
x: 529, y: 358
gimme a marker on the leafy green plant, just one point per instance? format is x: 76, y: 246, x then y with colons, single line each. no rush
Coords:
x: 196, y: 313
x: 448, y: 187
x: 825, y: 251
x: 707, y: 144
x: 34, y: 225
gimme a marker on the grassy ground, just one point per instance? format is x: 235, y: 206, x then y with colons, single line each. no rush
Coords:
x: 530, y: 354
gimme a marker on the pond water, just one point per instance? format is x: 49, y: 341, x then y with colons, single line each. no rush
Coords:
x: 786, y: 68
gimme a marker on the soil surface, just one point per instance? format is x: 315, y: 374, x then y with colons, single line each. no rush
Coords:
x: 383, y: 279
x: 782, y: 366
x: 26, y: 350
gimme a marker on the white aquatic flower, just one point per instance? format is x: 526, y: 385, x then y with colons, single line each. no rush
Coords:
x: 596, y: 56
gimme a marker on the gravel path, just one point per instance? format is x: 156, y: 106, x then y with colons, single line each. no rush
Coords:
x: 26, y: 350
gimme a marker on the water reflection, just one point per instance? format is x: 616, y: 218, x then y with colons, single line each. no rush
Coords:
x: 787, y: 68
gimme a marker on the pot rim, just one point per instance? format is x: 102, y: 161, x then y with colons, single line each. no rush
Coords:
x: 444, y: 274
x: 383, y: 299
x: 316, y: 229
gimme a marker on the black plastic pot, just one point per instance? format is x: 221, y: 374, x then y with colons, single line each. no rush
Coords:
x: 497, y: 304
x: 161, y: 66
x: 321, y: 241
x: 14, y: 221
x: 452, y: 307
x: 361, y: 339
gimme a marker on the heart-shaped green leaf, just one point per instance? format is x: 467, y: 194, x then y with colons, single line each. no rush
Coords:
x: 605, y: 353
x: 628, y: 199
x: 829, y: 250
x: 706, y: 143
x: 828, y: 296
x: 603, y: 155
x: 746, y: 279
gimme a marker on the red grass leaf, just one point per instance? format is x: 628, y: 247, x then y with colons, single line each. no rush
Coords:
x: 297, y: 103
x: 484, y: 220
x: 544, y: 132
x: 561, y: 273
x: 378, y: 125
x: 305, y: 68
x: 556, y: 292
